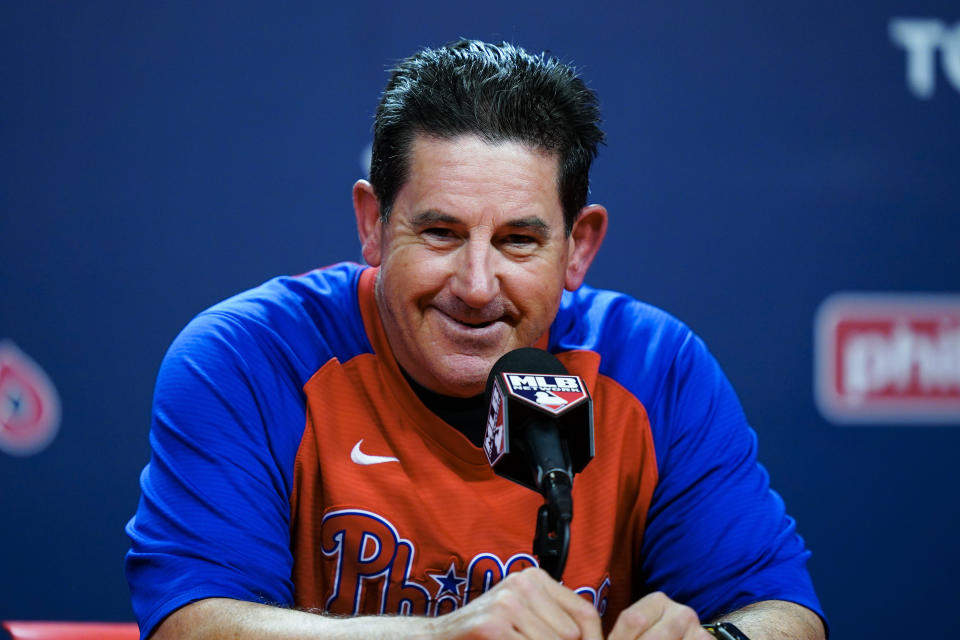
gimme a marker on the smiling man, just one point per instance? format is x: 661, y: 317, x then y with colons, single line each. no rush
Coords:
x: 316, y: 467
x: 474, y: 256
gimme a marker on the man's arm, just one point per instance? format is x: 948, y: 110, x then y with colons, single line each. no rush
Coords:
x: 777, y: 620
x: 717, y: 538
x: 216, y: 618
x: 656, y: 615
x: 528, y: 604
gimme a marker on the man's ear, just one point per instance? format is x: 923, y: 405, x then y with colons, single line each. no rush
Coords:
x: 585, y: 239
x: 367, y: 209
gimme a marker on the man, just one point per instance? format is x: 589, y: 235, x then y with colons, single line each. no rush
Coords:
x: 316, y: 441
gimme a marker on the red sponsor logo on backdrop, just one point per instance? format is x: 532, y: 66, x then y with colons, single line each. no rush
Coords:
x: 888, y: 358
x: 29, y: 404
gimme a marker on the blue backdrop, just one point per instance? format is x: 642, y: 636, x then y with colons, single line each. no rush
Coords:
x: 157, y: 158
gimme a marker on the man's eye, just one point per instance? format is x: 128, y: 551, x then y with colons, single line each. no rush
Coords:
x: 438, y: 232
x: 520, y: 239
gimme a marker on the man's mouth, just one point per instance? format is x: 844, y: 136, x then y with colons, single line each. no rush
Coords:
x: 477, y: 325
x: 473, y: 323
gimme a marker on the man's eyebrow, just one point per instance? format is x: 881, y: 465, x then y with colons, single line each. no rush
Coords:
x: 533, y: 223
x: 427, y: 218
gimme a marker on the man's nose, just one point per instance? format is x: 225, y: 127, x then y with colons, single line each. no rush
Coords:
x: 476, y: 281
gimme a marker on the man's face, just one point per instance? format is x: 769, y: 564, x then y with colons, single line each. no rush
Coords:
x: 473, y: 259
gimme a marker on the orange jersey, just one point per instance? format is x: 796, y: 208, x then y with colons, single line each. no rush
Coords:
x: 434, y: 528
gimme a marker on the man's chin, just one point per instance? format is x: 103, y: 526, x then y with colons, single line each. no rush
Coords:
x: 462, y: 376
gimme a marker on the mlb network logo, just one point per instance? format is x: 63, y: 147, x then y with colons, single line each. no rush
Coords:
x: 888, y: 358
x: 555, y: 394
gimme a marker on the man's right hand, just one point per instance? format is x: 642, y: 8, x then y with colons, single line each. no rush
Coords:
x: 528, y: 604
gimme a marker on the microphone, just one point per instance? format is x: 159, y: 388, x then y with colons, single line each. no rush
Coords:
x: 539, y: 434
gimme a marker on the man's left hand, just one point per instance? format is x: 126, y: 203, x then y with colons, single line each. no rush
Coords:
x: 657, y: 617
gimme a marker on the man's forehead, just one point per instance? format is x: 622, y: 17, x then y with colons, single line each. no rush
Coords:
x: 426, y: 138
x: 469, y: 167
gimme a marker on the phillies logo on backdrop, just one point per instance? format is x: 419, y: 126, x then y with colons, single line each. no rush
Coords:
x: 888, y: 358
x: 29, y: 405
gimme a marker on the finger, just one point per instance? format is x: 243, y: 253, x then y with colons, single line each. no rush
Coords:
x: 698, y: 633
x: 539, y: 607
x: 639, y: 617
x: 677, y: 622
x: 657, y: 617
x: 532, y: 624
x: 575, y: 608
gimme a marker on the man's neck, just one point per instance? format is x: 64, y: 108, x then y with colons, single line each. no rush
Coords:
x: 466, y: 415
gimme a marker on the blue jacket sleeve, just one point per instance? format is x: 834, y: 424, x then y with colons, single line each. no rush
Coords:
x: 213, y: 518
x: 717, y: 537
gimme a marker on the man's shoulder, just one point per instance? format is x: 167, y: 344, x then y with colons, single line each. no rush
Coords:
x: 306, y: 318
x: 315, y: 295
x: 642, y: 347
x: 610, y: 322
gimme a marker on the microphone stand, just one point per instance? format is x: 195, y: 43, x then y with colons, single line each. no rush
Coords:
x: 551, y: 542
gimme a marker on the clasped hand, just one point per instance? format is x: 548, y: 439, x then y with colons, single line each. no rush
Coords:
x: 530, y: 604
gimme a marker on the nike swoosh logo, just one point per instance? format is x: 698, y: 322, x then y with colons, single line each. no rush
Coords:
x: 362, y: 458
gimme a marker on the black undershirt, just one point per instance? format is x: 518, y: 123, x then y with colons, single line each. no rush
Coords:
x: 466, y: 415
